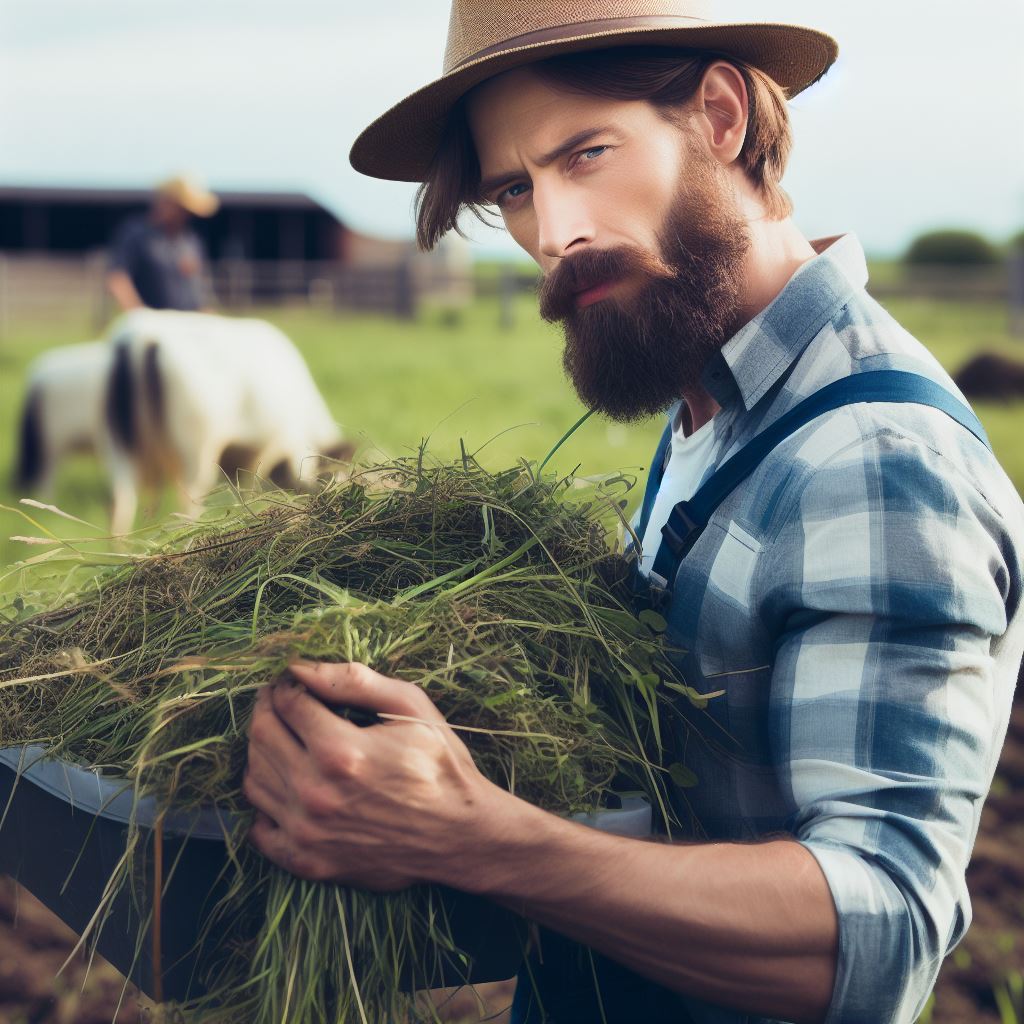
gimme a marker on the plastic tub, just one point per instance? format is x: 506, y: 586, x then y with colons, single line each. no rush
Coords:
x: 66, y: 828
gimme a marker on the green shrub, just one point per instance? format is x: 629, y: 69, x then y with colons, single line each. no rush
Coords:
x: 951, y: 247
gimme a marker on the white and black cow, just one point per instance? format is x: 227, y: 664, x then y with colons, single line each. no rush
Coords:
x: 176, y: 398
x: 189, y: 392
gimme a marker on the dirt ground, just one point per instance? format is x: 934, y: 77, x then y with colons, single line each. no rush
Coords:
x: 994, y: 946
x: 34, y: 944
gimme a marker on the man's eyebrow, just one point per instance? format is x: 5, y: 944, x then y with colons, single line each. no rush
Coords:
x: 499, y: 180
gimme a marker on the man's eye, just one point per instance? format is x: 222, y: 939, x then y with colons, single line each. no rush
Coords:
x: 593, y: 153
x: 510, y: 193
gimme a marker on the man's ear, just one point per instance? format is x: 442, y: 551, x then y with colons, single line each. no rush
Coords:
x: 721, y: 108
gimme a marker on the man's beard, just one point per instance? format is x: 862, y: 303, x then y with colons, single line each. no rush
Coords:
x: 632, y: 358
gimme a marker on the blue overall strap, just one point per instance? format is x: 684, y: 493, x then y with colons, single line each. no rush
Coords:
x: 689, y: 518
x: 654, y: 478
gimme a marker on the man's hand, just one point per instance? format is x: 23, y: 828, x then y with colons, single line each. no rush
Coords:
x: 752, y: 927
x: 383, y: 806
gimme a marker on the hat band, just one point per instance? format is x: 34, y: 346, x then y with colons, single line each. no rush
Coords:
x: 577, y: 28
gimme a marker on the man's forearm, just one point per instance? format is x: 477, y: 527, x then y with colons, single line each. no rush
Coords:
x: 747, y: 926
x: 120, y: 285
x: 752, y: 927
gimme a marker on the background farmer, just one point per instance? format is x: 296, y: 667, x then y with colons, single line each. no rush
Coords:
x: 156, y: 259
x: 858, y: 598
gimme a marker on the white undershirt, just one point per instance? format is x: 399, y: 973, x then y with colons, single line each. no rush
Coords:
x: 691, y: 456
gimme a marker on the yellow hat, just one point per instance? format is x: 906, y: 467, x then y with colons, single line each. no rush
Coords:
x: 190, y: 195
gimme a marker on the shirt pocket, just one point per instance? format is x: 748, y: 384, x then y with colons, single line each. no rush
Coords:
x: 716, y: 622
x: 726, y: 640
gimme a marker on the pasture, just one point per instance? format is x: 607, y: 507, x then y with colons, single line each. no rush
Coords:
x: 393, y: 383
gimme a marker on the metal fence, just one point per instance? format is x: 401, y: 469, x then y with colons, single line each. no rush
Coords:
x: 46, y: 288
x: 964, y: 283
x: 390, y: 289
x: 49, y: 287
x: 38, y: 286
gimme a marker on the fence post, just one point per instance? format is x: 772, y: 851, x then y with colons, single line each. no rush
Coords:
x: 321, y: 293
x: 1016, y: 268
x: 405, y: 298
x: 239, y: 275
x: 96, y: 277
x: 5, y: 316
x: 507, y: 297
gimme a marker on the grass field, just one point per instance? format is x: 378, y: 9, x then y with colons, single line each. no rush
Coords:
x: 502, y: 392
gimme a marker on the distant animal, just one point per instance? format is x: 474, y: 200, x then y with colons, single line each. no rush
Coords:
x: 63, y: 413
x: 991, y: 376
x: 190, y: 392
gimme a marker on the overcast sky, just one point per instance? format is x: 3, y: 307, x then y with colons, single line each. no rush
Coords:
x: 919, y: 125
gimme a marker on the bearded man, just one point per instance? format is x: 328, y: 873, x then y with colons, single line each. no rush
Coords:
x: 830, y: 537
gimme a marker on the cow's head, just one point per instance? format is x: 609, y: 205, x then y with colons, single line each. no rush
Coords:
x: 333, y: 463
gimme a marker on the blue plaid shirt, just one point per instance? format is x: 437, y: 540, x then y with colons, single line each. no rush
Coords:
x: 858, y: 600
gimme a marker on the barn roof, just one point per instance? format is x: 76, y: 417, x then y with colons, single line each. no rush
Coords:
x: 101, y: 196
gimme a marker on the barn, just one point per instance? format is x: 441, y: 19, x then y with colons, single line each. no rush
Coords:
x: 248, y: 225
x: 263, y: 247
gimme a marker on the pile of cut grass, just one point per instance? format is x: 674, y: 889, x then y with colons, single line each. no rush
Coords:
x: 495, y: 592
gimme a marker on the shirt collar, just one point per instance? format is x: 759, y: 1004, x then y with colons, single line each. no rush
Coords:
x: 757, y: 355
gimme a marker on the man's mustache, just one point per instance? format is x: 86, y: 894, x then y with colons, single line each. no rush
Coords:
x: 591, y: 267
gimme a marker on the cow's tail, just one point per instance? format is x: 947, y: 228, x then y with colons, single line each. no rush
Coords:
x: 29, y: 468
x: 135, y: 408
x: 153, y: 386
x: 120, y: 404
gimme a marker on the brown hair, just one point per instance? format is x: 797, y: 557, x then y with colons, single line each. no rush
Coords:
x: 666, y: 78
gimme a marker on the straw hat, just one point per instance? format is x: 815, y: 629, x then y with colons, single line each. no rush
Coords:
x: 486, y: 37
x: 190, y: 195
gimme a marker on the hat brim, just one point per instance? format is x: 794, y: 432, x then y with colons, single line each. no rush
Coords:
x: 201, y: 206
x: 400, y: 145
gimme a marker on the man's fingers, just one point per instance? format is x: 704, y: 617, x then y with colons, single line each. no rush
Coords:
x: 264, y: 781
x: 268, y: 837
x: 264, y: 822
x: 277, y: 845
x: 358, y: 686
x: 320, y: 730
x: 270, y: 733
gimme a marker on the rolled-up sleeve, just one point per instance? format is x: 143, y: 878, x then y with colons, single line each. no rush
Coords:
x: 890, y: 588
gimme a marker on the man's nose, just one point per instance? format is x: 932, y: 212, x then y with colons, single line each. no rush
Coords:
x: 564, y: 222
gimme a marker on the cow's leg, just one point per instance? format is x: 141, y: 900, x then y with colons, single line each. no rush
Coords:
x: 44, y: 487
x: 200, y: 474
x: 124, y: 491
